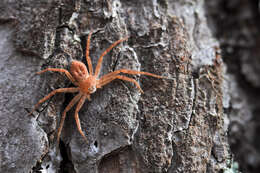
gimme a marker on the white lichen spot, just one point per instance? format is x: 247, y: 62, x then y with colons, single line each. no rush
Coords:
x: 93, y: 149
x: 74, y: 16
x: 116, y: 7
x: 155, y: 8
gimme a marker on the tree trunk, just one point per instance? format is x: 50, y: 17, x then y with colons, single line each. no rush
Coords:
x: 178, y: 125
x: 236, y: 24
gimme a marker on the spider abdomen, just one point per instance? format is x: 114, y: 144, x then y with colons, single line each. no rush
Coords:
x: 78, y: 70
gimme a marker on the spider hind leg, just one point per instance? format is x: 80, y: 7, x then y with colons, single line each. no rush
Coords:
x: 60, y: 90
x: 80, y: 104
x: 69, y: 106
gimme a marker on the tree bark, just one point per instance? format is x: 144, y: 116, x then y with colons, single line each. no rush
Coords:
x: 177, y: 125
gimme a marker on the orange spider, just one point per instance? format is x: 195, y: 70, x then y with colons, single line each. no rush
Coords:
x: 87, y: 83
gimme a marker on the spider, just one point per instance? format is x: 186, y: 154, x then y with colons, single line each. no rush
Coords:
x: 87, y: 82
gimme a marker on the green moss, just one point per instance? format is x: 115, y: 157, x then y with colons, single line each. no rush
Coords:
x: 233, y: 169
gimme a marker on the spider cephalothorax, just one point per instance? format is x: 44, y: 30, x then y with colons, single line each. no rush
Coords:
x: 87, y: 82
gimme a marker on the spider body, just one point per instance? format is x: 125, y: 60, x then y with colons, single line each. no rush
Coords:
x: 88, y: 86
x: 87, y: 82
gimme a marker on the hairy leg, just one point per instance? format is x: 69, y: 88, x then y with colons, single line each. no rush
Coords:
x: 98, y: 67
x: 70, y: 105
x: 109, y: 79
x: 87, y: 54
x: 126, y: 71
x: 62, y: 71
x: 60, y: 90
x: 80, y: 104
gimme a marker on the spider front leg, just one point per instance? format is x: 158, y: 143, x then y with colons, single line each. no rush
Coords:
x: 87, y: 54
x: 105, y: 80
x: 60, y: 90
x: 70, y: 105
x: 126, y: 71
x: 98, y: 67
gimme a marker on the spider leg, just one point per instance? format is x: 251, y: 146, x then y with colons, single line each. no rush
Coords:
x: 60, y: 90
x: 98, y: 67
x: 62, y: 71
x: 87, y: 54
x: 69, y: 106
x: 109, y: 79
x: 80, y: 104
x: 126, y: 71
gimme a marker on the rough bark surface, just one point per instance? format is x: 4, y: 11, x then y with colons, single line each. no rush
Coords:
x: 177, y: 125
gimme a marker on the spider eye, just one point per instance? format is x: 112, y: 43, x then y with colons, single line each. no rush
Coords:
x: 92, y: 89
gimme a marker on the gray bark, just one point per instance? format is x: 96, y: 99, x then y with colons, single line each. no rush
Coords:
x: 177, y: 125
x: 237, y: 28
